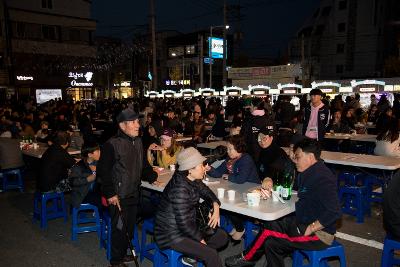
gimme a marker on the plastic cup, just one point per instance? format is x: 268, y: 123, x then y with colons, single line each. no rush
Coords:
x: 172, y: 167
x: 231, y: 194
x: 275, y: 195
x: 35, y: 145
x: 253, y: 199
x: 221, y: 192
x: 244, y: 195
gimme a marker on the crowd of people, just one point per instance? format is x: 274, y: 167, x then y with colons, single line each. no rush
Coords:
x: 140, y: 136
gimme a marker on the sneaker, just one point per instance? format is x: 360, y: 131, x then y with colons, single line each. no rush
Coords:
x: 186, y: 261
x: 238, y: 261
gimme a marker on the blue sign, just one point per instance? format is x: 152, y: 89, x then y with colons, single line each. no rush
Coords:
x: 216, y: 47
x: 207, y: 60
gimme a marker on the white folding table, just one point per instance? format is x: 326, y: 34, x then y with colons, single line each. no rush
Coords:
x: 268, y: 210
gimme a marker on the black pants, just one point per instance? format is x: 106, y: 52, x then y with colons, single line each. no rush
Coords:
x: 237, y: 221
x: 119, y: 240
x: 205, y: 253
x: 279, y: 239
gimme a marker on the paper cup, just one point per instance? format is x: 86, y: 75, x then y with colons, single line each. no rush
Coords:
x: 275, y: 195
x: 221, y: 192
x: 253, y: 199
x: 35, y: 145
x: 172, y: 167
x: 231, y: 194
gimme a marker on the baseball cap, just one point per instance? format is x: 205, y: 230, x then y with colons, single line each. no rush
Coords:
x: 127, y: 115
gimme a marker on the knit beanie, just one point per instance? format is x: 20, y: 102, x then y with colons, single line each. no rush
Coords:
x: 189, y: 158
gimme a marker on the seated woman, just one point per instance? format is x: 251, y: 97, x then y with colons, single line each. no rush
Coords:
x: 166, y: 153
x: 239, y: 168
x: 337, y: 125
x: 83, y: 175
x: 387, y: 141
x: 175, y: 223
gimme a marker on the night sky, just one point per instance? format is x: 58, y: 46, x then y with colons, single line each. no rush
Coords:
x: 267, y: 25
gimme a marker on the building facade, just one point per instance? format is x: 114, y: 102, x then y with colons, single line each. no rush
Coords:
x: 346, y: 39
x: 47, y: 44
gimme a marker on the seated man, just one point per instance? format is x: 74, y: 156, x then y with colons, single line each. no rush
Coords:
x: 55, y: 164
x: 313, y: 225
x: 273, y: 159
x: 391, y: 208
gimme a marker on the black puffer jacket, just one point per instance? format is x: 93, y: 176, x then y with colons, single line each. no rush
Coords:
x: 176, y: 214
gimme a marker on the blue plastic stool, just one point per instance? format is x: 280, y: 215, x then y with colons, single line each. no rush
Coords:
x: 350, y: 179
x: 148, y: 250
x: 83, y: 224
x: 169, y: 258
x: 9, y: 183
x: 318, y: 258
x: 354, y: 201
x: 225, y: 224
x: 387, y: 255
x: 248, y: 234
x: 371, y: 181
x: 106, y: 235
x: 57, y: 209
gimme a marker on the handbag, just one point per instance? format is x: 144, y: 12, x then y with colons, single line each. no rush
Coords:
x: 202, y: 211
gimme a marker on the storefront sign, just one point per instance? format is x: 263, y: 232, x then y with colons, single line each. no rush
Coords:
x: 24, y: 78
x: 354, y: 83
x: 259, y: 92
x: 396, y: 88
x: 81, y: 79
x: 233, y: 93
x: 327, y: 90
x: 177, y: 82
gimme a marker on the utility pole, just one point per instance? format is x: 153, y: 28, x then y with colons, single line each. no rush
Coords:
x: 154, y: 47
x: 209, y: 54
x: 224, y: 48
x: 201, y: 58
x: 302, y: 60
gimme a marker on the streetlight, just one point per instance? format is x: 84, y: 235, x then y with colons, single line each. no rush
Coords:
x: 225, y: 27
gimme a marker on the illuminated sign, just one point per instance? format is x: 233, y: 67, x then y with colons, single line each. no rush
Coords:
x: 207, y: 94
x: 233, y: 93
x: 365, y: 90
x: 177, y: 82
x: 24, y: 78
x: 347, y: 89
x: 216, y: 47
x: 290, y: 91
x: 259, y: 92
x: 396, y: 88
x: 81, y: 79
x: 44, y: 95
x: 168, y: 95
x: 187, y: 94
x: 354, y: 83
x: 327, y: 90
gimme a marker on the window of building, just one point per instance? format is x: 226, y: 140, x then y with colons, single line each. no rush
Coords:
x: 47, y: 4
x: 339, y: 68
x: 341, y: 27
x: 190, y: 50
x: 176, y: 51
x: 326, y: 11
x: 340, y: 48
x: 20, y: 30
x: 342, y: 4
x: 74, y: 35
x: 49, y: 32
x: 319, y: 30
x: 316, y: 13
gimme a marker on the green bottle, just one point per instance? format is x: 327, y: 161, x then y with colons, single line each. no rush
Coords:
x: 286, y: 191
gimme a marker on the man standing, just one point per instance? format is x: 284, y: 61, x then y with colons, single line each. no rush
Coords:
x: 316, y: 117
x: 119, y: 171
x: 313, y: 225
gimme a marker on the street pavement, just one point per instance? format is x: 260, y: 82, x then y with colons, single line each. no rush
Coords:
x: 23, y: 243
